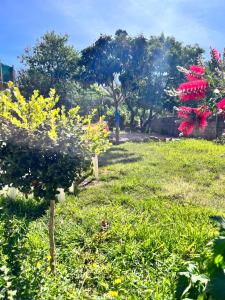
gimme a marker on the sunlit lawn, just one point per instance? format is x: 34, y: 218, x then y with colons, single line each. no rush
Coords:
x: 126, y: 236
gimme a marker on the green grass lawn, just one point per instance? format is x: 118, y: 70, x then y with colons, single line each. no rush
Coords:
x: 128, y: 234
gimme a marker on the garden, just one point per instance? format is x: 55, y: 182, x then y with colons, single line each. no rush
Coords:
x: 85, y: 215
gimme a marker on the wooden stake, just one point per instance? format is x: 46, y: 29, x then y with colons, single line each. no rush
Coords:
x: 51, y: 235
x: 95, y: 165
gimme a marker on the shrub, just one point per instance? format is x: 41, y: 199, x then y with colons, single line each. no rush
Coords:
x: 41, y: 148
x: 209, y: 284
x: 203, y: 91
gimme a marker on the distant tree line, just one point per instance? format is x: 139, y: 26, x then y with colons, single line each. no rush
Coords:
x: 121, y: 74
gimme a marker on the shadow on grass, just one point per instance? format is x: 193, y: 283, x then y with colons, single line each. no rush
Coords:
x: 22, y: 208
x: 15, y: 217
x: 118, y: 155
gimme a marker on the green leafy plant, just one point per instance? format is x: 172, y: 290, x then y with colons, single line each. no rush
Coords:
x: 41, y: 148
x: 96, y: 139
x: 208, y: 284
x: 6, y: 291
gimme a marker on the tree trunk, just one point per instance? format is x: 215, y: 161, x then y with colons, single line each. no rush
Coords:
x: 51, y: 235
x: 147, y: 124
x: 132, y: 114
x: 142, y: 120
x: 217, y: 126
x: 117, y: 126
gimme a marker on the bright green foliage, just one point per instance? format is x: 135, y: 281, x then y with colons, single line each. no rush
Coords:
x: 41, y: 146
x: 5, y: 285
x: 96, y: 136
x: 50, y: 63
x: 131, y: 233
x: 29, y: 115
x: 210, y: 284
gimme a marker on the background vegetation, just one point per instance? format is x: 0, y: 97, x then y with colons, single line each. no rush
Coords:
x: 117, y: 73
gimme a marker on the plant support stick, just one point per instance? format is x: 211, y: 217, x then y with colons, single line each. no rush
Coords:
x: 51, y: 235
x: 95, y: 165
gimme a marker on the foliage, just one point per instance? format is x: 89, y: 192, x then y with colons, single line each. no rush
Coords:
x: 104, y: 63
x: 210, y: 285
x: 164, y: 54
x: 136, y: 70
x: 50, y: 63
x: 92, y: 98
x: 41, y: 146
x: 131, y: 71
x: 205, y: 83
x: 191, y: 283
x: 96, y: 136
x: 5, y: 285
x: 131, y: 234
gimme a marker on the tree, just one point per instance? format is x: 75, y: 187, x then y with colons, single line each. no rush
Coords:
x: 107, y: 63
x: 136, y: 71
x: 44, y: 148
x: 96, y: 139
x: 41, y: 148
x: 50, y: 63
x: 164, y: 54
x: 92, y: 98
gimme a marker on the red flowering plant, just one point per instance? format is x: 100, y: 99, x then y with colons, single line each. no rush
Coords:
x: 203, y: 91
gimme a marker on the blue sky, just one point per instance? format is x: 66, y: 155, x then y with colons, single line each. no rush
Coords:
x: 191, y: 21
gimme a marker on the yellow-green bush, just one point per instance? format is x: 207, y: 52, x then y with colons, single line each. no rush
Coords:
x: 43, y: 148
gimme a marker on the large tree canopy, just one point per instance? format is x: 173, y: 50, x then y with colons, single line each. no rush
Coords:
x: 164, y: 55
x: 136, y: 70
x: 115, y: 63
x: 131, y: 71
x: 50, y: 63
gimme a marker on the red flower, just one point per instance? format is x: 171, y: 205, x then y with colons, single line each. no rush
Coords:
x: 221, y: 104
x: 215, y: 54
x: 191, y: 77
x: 186, y: 127
x: 192, y: 96
x: 221, y: 107
x: 192, y: 90
x: 197, y: 70
x: 184, y: 111
x: 191, y: 86
x: 196, y: 73
x: 193, y: 118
